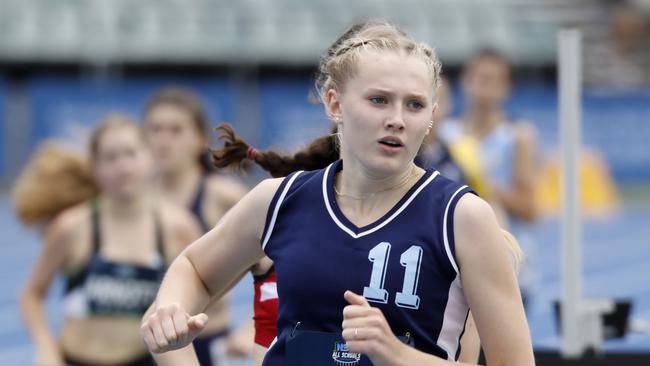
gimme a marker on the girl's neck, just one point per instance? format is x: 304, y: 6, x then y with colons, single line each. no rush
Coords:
x: 365, y: 189
x: 181, y: 179
x: 364, y: 198
x: 127, y: 208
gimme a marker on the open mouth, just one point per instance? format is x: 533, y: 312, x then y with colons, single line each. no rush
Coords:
x: 391, y: 142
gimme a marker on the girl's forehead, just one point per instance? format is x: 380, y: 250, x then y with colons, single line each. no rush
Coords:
x: 392, y: 69
x: 166, y: 110
x: 120, y: 136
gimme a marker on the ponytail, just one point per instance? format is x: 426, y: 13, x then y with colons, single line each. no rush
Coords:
x: 54, y: 180
x: 237, y: 153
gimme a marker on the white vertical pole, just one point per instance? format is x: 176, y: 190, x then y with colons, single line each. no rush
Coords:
x: 570, y: 115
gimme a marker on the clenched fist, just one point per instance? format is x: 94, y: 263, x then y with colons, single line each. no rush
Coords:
x: 170, y: 327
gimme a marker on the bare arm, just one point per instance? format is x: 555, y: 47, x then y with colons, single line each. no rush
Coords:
x: 223, y: 193
x: 183, y: 230
x: 185, y: 355
x: 222, y: 255
x: 50, y: 260
x: 470, y: 344
x: 490, y: 284
x: 519, y: 197
x: 207, y: 268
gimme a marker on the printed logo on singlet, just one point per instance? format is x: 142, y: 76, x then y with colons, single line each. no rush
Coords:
x: 343, y: 356
x: 110, y: 294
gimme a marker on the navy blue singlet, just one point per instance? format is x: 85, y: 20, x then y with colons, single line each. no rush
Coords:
x: 196, y: 206
x: 404, y: 264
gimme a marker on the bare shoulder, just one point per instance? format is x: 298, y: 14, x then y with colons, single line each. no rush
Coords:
x: 225, y: 188
x: 248, y: 216
x: 66, y: 236
x: 176, y: 218
x: 68, y: 223
x: 263, y: 193
x: 472, y: 210
x: 477, y: 233
x: 180, y: 227
x: 227, y: 192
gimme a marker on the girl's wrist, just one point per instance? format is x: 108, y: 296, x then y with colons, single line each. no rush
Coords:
x: 401, y: 354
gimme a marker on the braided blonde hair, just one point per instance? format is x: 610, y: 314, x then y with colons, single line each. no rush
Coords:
x: 338, y: 65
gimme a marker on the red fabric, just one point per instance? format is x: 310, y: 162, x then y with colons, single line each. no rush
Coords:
x: 265, y: 312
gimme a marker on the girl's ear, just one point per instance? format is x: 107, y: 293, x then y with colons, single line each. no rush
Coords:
x: 333, y: 105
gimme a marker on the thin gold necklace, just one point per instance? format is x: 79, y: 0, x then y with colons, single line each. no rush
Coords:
x: 412, y: 174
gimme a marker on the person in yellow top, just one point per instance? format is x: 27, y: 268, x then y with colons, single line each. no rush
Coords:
x: 498, y: 154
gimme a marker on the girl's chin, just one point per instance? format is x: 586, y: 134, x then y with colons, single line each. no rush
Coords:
x: 386, y: 166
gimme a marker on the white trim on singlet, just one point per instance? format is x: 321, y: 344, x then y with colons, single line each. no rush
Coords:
x: 444, y: 230
x: 453, y: 320
x: 376, y: 227
x: 276, y: 209
x: 273, y: 342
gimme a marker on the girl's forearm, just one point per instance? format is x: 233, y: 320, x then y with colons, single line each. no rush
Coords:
x: 411, y: 356
x: 185, y: 356
x: 31, y: 307
x: 182, y: 285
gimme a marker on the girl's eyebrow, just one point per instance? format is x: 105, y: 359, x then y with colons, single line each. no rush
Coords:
x: 390, y: 92
x: 380, y: 91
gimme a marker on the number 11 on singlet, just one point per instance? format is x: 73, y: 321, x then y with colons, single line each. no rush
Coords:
x: 411, y: 259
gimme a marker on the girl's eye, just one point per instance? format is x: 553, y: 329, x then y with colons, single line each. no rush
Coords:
x: 378, y: 100
x: 176, y: 130
x: 415, y: 104
x: 109, y: 157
